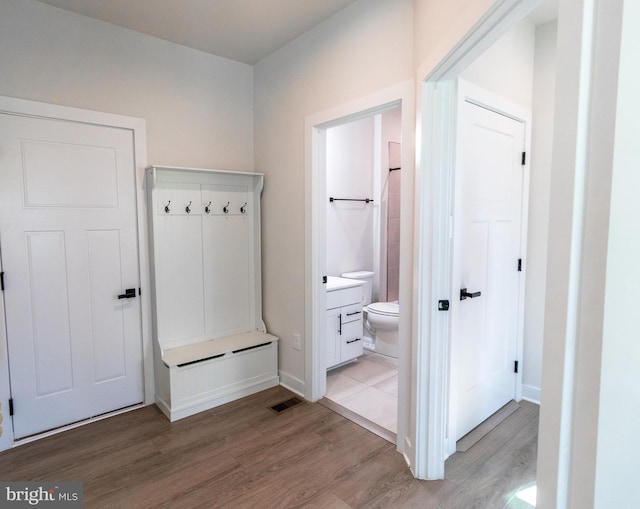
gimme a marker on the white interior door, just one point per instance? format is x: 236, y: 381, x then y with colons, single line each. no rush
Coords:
x: 69, y: 250
x: 487, y: 229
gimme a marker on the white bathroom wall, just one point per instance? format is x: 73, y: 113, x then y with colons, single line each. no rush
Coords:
x: 350, y: 225
x: 355, y: 229
x: 198, y: 107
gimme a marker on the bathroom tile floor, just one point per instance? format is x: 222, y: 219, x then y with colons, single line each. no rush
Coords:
x: 368, y: 387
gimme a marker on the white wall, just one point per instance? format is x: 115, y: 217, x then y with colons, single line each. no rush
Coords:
x: 350, y: 171
x: 360, y: 50
x: 198, y: 107
x: 618, y: 449
x: 440, y: 24
x: 507, y: 67
x: 539, y: 189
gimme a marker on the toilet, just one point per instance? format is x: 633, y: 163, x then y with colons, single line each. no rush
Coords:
x: 381, y: 318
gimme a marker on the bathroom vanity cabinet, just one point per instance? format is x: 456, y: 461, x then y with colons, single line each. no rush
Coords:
x: 344, y: 321
x: 210, y: 343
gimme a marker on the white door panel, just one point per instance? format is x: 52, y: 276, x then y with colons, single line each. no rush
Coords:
x: 488, y: 211
x: 69, y: 248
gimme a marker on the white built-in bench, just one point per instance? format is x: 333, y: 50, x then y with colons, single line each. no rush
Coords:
x: 204, y: 375
x: 211, y: 343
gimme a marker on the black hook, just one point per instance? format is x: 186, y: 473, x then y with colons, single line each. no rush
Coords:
x: 226, y: 208
x: 188, y: 208
x: 166, y: 207
x: 207, y: 209
x: 243, y: 209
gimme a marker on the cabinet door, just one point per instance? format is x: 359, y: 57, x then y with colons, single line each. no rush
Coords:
x: 351, y: 340
x: 333, y: 337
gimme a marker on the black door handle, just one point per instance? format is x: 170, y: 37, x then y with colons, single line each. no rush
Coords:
x: 464, y: 294
x: 129, y: 293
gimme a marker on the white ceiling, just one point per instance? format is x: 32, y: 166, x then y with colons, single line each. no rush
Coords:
x: 242, y: 30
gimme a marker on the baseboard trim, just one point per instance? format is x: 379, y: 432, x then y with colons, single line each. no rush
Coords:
x: 292, y: 383
x: 196, y: 405
x: 531, y: 394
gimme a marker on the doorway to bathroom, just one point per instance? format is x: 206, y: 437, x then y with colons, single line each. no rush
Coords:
x: 357, y: 228
x: 363, y: 245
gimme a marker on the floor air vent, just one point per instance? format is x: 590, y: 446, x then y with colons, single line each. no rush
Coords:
x: 285, y: 405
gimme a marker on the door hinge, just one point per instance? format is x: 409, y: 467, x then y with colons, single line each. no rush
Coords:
x: 519, y: 264
x: 524, y: 158
x: 515, y: 366
x: 324, y: 280
x: 139, y: 291
x: 2, y: 281
x: 10, y: 406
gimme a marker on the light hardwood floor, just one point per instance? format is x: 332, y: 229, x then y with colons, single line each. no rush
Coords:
x: 242, y: 455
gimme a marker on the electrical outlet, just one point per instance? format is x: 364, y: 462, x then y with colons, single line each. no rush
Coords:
x: 297, y: 341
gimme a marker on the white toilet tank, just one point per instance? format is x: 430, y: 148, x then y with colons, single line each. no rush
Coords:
x: 367, y: 277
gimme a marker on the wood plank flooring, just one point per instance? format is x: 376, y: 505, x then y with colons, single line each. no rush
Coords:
x: 242, y: 455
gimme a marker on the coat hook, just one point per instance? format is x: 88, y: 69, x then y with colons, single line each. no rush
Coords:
x: 226, y: 208
x: 188, y: 208
x: 166, y: 207
x: 207, y: 209
x: 243, y: 209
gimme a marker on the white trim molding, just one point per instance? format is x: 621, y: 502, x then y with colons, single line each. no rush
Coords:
x: 293, y: 384
x: 531, y: 394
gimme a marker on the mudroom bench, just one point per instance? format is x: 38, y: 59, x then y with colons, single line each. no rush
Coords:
x: 203, y: 375
x: 211, y: 345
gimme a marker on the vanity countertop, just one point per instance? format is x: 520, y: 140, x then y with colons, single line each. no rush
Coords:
x: 340, y: 283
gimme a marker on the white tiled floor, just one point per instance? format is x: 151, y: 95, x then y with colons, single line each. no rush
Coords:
x: 368, y: 387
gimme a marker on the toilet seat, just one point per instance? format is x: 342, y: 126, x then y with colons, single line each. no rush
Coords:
x: 384, y: 308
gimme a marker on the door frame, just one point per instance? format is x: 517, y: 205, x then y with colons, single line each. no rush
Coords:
x: 436, y: 109
x: 137, y: 126
x: 315, y: 235
x: 474, y: 94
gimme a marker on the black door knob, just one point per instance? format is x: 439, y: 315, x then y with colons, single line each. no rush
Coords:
x: 464, y: 294
x: 129, y: 293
